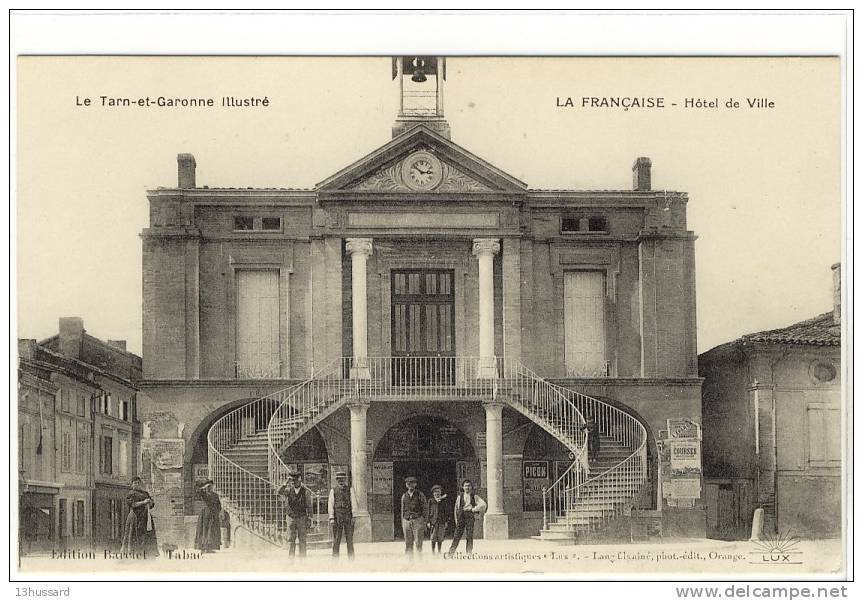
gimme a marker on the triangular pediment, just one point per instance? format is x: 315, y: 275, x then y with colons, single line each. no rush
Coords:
x: 387, y: 169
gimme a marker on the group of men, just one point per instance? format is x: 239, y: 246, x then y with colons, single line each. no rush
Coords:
x: 418, y: 513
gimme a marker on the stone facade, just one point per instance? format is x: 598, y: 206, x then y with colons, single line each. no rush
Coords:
x: 193, y: 253
x: 77, y: 402
x: 772, y: 422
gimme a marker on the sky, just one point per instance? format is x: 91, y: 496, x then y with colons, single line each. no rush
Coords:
x: 763, y: 184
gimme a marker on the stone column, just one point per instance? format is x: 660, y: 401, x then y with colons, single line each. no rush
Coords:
x: 496, y: 522
x: 359, y: 470
x: 485, y: 249
x: 360, y: 250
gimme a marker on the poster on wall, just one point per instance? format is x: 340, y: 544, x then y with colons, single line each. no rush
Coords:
x: 165, y: 453
x: 685, y: 457
x: 315, y: 477
x: 382, y: 478
x: 534, y: 477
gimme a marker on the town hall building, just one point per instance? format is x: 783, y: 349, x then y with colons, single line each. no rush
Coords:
x: 422, y: 312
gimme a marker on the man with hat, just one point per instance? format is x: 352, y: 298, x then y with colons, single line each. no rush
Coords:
x: 208, y: 536
x: 414, y: 516
x: 341, y: 506
x: 298, y: 506
x: 438, y: 519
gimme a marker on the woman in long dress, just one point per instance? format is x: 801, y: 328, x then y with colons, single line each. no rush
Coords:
x: 140, y: 534
x: 208, y: 537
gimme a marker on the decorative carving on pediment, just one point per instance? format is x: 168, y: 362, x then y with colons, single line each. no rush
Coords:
x: 386, y: 179
x: 390, y: 179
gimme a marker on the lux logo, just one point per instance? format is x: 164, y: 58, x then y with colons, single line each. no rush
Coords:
x: 777, y: 549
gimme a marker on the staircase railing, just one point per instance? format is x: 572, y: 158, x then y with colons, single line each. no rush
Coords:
x: 300, y: 409
x: 246, y: 494
x: 592, y: 503
x: 274, y: 422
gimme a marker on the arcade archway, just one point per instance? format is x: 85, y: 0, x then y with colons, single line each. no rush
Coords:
x: 430, y: 448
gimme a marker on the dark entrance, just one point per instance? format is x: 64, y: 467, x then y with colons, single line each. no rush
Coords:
x: 428, y: 473
x: 423, y: 327
x: 429, y: 448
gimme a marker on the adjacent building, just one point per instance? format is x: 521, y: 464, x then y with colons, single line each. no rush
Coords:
x: 420, y: 272
x: 78, y: 438
x: 773, y: 429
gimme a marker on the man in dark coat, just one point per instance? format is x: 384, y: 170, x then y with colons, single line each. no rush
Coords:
x: 438, y: 519
x: 591, y: 430
x: 297, y: 499
x: 208, y: 537
x: 414, y: 516
x: 140, y: 535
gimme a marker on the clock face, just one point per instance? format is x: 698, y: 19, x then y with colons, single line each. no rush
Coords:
x: 422, y: 171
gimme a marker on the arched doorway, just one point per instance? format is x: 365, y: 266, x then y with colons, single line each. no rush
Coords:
x: 429, y: 448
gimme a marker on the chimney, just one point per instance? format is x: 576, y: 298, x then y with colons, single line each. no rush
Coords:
x: 837, y: 293
x: 185, y: 171
x: 26, y: 348
x: 641, y: 174
x: 119, y: 344
x: 71, y: 336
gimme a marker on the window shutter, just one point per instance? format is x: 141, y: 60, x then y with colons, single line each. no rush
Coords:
x: 584, y: 323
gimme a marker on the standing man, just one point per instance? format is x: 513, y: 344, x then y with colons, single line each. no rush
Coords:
x: 341, y: 506
x: 208, y: 536
x: 414, y: 516
x: 438, y: 517
x: 298, y: 504
x: 467, y: 507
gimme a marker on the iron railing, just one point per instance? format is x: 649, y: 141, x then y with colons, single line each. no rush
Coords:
x: 248, y: 446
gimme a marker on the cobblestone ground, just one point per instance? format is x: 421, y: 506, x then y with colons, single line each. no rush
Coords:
x: 669, y: 560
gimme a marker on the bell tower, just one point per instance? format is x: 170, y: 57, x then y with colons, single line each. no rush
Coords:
x: 421, y: 80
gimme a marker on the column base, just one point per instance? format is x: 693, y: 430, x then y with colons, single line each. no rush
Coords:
x: 363, y: 528
x: 495, y: 526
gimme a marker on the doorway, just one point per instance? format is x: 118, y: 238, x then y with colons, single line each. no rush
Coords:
x: 423, y: 327
x: 428, y: 447
x: 428, y: 472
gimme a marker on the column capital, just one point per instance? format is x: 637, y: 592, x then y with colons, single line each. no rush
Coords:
x: 358, y: 404
x: 486, y: 246
x: 359, y: 246
x: 493, y: 406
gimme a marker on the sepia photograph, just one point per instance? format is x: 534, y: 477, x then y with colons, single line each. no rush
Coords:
x: 429, y: 314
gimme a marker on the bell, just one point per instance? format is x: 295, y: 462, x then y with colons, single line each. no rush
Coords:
x: 418, y: 76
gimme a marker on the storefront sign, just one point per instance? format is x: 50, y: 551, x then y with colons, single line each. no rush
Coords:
x: 537, y: 470
x: 382, y: 477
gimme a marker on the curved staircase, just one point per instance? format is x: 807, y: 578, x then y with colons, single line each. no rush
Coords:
x: 249, y: 448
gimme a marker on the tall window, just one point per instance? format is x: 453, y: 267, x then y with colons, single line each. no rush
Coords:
x: 122, y: 457
x: 106, y: 456
x: 62, y: 526
x: 66, y: 449
x: 825, y: 434
x: 82, y: 405
x: 24, y: 445
x: 258, y: 324
x: 78, y: 519
x: 584, y: 323
x: 124, y: 409
x: 81, y: 456
x: 64, y: 400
